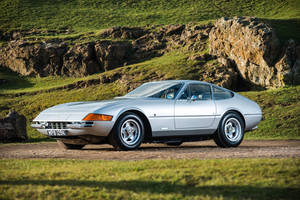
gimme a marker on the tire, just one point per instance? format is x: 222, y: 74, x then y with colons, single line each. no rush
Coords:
x: 128, y: 132
x: 69, y: 146
x: 230, y: 132
x: 174, y: 144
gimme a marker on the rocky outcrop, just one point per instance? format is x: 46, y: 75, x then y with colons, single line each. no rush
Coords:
x: 28, y: 59
x: 247, y: 47
x: 113, y: 54
x: 45, y: 59
x: 132, y: 45
x: 80, y: 60
x: 253, y: 47
x: 13, y: 128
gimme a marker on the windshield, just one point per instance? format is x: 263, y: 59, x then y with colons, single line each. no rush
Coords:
x: 166, y: 90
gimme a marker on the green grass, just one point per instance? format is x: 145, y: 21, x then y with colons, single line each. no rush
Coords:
x: 29, y: 96
x: 281, y: 109
x: 150, y: 179
x: 86, y: 15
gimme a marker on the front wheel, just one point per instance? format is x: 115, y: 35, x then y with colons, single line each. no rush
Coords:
x: 128, y: 132
x: 231, y: 131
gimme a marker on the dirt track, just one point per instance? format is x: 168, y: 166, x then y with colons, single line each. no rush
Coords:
x: 197, y: 150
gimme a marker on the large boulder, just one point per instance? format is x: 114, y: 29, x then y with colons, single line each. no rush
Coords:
x: 254, y: 47
x: 288, y: 66
x: 13, y: 128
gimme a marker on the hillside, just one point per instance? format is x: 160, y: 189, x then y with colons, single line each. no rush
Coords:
x: 84, y: 16
x: 164, y: 52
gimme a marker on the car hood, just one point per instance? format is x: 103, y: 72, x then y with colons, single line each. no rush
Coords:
x: 73, y: 111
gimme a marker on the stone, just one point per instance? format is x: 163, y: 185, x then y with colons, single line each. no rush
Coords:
x: 13, y: 128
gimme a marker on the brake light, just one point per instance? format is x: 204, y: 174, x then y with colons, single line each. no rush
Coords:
x: 97, y: 117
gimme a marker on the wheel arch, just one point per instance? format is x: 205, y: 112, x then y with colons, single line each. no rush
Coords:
x: 147, y: 125
x: 237, y: 112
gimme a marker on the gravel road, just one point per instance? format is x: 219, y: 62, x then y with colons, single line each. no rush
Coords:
x: 193, y: 150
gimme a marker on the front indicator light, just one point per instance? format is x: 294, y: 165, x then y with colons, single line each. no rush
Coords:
x: 97, y: 117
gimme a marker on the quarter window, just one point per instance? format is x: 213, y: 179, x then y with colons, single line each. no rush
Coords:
x: 220, y: 94
x: 200, y: 91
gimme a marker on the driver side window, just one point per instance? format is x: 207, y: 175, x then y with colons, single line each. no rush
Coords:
x: 200, y: 92
x: 169, y: 93
x: 197, y: 92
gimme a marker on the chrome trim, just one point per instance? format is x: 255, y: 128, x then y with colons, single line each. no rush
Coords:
x: 61, y: 125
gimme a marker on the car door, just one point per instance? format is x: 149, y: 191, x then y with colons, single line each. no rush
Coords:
x: 160, y: 110
x: 195, y: 109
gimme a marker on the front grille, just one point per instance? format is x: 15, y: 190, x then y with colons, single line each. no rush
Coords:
x: 56, y: 125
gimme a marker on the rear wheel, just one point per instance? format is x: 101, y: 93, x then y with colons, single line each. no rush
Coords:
x: 231, y: 131
x: 128, y: 132
x: 69, y: 146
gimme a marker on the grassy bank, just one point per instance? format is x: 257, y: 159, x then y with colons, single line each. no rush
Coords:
x: 281, y: 110
x: 172, y: 179
x: 85, y: 15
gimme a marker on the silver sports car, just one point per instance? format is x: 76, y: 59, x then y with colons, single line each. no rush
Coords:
x: 170, y: 112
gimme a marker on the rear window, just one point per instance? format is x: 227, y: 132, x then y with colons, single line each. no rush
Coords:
x: 220, y: 94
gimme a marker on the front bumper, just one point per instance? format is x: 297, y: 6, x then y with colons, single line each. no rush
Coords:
x: 75, y: 128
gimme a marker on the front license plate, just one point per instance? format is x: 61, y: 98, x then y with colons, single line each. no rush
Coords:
x: 57, y: 132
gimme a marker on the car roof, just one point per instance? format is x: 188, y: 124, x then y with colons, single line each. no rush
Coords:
x: 188, y: 81
x: 179, y: 81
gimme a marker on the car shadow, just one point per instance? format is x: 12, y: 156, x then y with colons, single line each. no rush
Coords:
x: 164, y: 187
x: 176, y: 148
x: 151, y: 148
